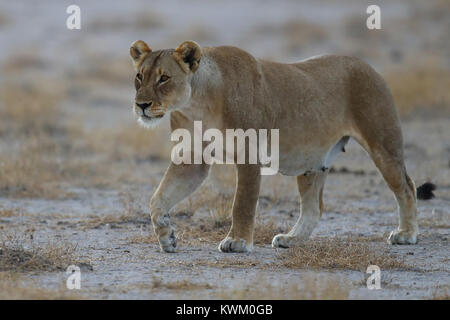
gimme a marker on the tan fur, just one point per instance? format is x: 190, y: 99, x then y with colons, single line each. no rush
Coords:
x: 317, y: 104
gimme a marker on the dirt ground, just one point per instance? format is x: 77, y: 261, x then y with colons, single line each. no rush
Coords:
x: 77, y: 173
x: 111, y: 232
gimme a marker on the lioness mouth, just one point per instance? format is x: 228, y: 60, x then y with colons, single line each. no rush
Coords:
x: 153, y: 117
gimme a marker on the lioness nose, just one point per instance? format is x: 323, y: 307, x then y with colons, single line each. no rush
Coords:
x: 144, y: 106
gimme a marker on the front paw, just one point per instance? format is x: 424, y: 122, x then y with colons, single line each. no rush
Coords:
x: 235, y: 245
x: 282, y: 241
x: 402, y: 237
x: 168, y: 241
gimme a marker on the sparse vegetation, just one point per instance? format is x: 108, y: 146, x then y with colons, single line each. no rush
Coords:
x: 335, y: 253
x: 26, y: 60
x: 441, y: 293
x: 16, y: 287
x: 54, y: 256
x: 130, y: 214
x: 420, y: 87
x: 6, y: 213
x: 144, y: 20
x: 183, y: 285
x: 437, y: 221
x: 29, y: 125
x: 144, y: 238
x: 29, y: 171
x: 307, y: 287
x: 136, y: 143
x: 29, y: 108
x: 223, y: 263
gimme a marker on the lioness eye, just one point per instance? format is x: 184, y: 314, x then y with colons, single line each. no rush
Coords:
x: 164, y: 78
x: 139, y: 77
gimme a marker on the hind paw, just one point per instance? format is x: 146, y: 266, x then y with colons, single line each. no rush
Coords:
x: 402, y: 237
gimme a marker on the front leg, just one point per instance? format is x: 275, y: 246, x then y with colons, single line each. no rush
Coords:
x: 178, y: 182
x: 240, y: 237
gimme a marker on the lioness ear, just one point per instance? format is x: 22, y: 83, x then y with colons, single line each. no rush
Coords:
x: 188, y: 55
x: 138, y: 51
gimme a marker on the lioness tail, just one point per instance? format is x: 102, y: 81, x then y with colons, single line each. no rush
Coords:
x: 425, y: 191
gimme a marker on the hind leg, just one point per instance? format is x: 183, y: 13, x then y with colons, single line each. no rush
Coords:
x: 394, y: 172
x: 387, y: 154
x: 310, y: 188
x: 408, y: 228
x: 377, y: 128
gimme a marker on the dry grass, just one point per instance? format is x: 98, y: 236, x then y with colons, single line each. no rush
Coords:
x: 309, y: 287
x: 223, y: 178
x: 211, y: 228
x: 299, y: 33
x: 33, y: 138
x: 441, y: 293
x: 205, y: 199
x: 144, y: 20
x: 112, y: 221
x: 183, y: 285
x: 54, y: 256
x: 147, y: 238
x: 30, y: 170
x: 132, y: 213
x: 7, y: 213
x: 181, y: 288
x: 441, y: 221
x: 23, y: 61
x: 296, y: 34
x: 200, y: 32
x: 41, y: 152
x: 265, y: 231
x: 209, y: 232
x: 213, y: 231
x: 16, y: 287
x: 131, y: 142
x: 99, y: 70
x: 220, y: 214
x: 29, y: 108
x: 335, y: 253
x: 130, y: 203
x: 420, y: 87
x: 280, y: 190
x: 237, y: 261
x: 203, y: 232
x: 218, y: 207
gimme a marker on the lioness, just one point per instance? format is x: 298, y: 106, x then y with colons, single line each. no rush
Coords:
x: 316, y: 104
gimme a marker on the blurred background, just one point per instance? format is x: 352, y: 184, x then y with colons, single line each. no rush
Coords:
x: 66, y: 95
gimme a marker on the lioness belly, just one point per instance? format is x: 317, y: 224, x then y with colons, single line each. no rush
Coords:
x: 309, y: 159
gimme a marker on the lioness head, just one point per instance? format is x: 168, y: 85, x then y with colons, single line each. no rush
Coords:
x: 163, y: 79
